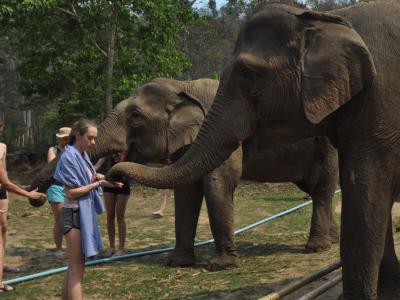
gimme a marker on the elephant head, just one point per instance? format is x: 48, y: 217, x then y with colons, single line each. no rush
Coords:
x: 290, y: 70
x: 111, y: 134
x: 164, y: 116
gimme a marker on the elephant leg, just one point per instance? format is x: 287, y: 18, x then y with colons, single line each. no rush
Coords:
x: 219, y: 198
x: 320, y: 183
x: 219, y: 187
x: 389, y: 272
x: 188, y: 201
x: 323, y: 230
x: 366, y: 202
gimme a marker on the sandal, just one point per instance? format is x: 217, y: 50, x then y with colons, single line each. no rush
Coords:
x: 118, y: 253
x: 9, y: 269
x: 6, y: 288
x: 109, y: 252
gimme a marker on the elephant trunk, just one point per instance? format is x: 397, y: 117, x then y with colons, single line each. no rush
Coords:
x: 43, y: 181
x: 111, y: 133
x: 210, y: 149
x: 45, y: 177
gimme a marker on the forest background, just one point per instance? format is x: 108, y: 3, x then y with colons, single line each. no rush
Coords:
x: 62, y: 60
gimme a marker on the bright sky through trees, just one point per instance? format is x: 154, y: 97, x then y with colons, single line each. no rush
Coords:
x: 203, y: 3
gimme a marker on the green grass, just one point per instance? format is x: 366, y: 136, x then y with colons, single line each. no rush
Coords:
x: 270, y: 254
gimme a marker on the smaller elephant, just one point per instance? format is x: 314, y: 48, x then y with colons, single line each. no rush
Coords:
x: 159, y: 122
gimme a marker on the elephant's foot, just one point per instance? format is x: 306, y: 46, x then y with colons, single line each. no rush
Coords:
x: 318, y: 244
x: 181, y: 258
x: 392, y: 293
x: 389, y: 286
x: 223, y: 262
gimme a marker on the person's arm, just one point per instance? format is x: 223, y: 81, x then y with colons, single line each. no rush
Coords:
x: 74, y: 193
x: 10, y: 186
x: 51, y: 154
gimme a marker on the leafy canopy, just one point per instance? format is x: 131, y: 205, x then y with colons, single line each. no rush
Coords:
x: 61, y: 49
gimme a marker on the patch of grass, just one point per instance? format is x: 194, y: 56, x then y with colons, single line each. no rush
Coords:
x: 270, y: 253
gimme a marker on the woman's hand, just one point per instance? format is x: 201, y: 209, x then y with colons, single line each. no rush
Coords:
x: 98, y: 177
x: 36, y: 195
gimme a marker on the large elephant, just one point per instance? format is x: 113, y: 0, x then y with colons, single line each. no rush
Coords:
x: 297, y: 73
x: 163, y: 119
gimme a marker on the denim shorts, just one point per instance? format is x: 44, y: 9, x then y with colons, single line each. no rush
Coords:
x: 70, y: 218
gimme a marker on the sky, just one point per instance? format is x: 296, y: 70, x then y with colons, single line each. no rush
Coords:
x: 203, y: 3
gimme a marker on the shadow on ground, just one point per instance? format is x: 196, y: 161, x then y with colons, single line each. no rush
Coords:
x: 43, y: 259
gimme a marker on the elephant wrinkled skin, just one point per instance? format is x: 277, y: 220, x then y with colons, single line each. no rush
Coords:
x: 296, y: 73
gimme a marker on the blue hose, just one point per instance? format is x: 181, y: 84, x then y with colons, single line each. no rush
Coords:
x: 151, y: 252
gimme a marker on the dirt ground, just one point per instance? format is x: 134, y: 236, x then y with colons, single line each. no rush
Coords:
x: 272, y: 255
x: 333, y: 293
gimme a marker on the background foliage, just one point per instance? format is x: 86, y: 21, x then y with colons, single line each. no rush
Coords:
x: 63, y: 46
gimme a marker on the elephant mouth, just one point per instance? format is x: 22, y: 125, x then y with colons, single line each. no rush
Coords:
x: 177, y: 154
x: 136, y: 156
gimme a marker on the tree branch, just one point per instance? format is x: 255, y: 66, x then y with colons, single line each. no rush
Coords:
x: 74, y: 14
x: 188, y: 3
x: 65, y: 11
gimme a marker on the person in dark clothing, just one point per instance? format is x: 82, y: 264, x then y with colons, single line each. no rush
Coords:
x: 116, y: 200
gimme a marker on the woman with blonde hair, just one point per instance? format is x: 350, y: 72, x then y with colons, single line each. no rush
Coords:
x: 55, y: 193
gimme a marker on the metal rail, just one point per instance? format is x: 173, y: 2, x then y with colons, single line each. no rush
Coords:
x: 322, y: 289
x: 290, y: 288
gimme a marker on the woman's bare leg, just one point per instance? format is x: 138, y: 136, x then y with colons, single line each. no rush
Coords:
x: 122, y: 200
x: 110, y: 201
x: 3, y: 232
x: 160, y: 212
x: 57, y: 234
x: 72, y: 286
x: 64, y: 293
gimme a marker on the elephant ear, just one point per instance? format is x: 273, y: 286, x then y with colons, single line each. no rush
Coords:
x: 185, y: 118
x: 336, y: 65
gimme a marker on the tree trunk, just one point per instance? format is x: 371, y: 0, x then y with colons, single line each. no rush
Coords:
x: 108, y: 72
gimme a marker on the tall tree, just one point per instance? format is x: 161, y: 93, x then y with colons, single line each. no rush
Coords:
x: 108, y: 72
x: 78, y: 54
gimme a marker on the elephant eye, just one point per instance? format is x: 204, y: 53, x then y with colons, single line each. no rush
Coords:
x: 135, y: 119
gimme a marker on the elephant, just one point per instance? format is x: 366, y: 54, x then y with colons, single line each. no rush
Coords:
x: 163, y: 119
x: 294, y: 74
